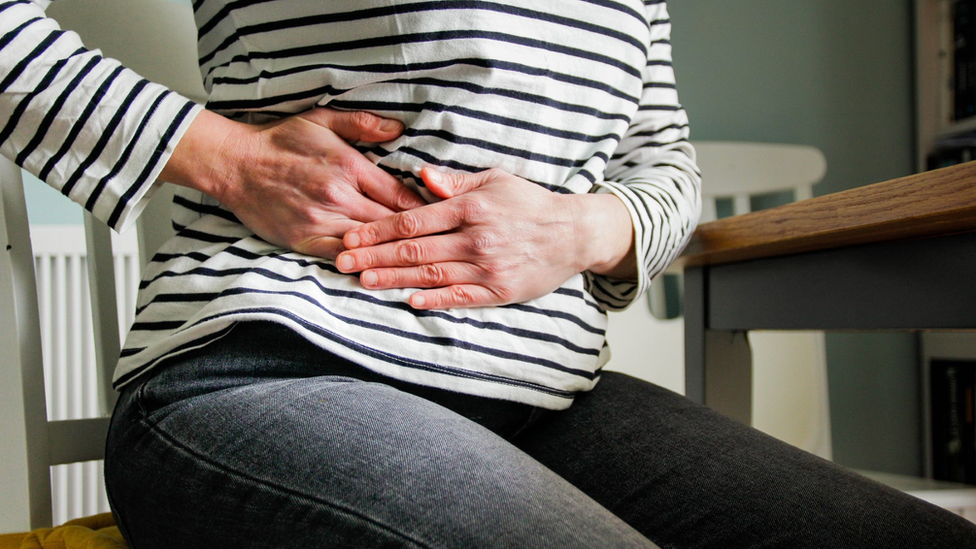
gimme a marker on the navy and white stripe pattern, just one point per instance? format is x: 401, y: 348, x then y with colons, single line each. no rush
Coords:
x: 93, y: 130
x: 577, y: 96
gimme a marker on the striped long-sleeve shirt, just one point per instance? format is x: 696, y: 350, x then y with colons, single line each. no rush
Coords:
x: 576, y: 96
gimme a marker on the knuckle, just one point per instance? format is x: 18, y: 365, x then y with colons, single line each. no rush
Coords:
x: 363, y: 119
x: 461, y: 295
x: 474, y: 209
x: 346, y: 163
x: 407, y: 224
x: 388, y: 278
x: 410, y: 252
x: 483, y: 243
x: 368, y: 234
x: 493, y: 271
x: 405, y: 198
x: 431, y: 275
x: 332, y: 193
x: 505, y: 295
x: 365, y: 259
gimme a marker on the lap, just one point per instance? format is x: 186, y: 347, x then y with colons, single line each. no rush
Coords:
x: 204, y: 452
x: 687, y: 476
x: 266, y: 447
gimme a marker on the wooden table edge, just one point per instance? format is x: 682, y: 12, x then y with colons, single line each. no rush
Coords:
x: 939, y: 202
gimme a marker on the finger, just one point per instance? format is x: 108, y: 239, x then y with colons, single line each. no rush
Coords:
x: 363, y: 209
x: 446, y: 184
x: 434, y: 275
x: 327, y: 247
x: 430, y: 219
x: 403, y: 253
x: 334, y: 228
x: 388, y: 190
x: 326, y: 241
x: 374, y: 181
x: 457, y: 296
x: 356, y: 125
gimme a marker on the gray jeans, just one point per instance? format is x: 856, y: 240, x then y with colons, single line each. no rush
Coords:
x: 262, y: 440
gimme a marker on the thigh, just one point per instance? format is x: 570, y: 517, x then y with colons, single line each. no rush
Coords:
x: 686, y: 476
x: 331, y: 461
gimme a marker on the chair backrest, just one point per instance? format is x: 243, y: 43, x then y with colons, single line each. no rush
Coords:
x: 742, y: 170
x: 157, y: 38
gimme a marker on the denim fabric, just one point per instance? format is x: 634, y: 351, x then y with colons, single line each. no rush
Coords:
x: 262, y: 440
x: 687, y: 476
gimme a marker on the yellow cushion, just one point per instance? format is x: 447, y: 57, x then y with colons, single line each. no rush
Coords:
x: 95, y: 532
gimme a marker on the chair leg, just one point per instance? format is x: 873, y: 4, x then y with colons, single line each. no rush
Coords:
x: 728, y: 374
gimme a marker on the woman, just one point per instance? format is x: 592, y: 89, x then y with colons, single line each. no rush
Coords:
x: 400, y: 227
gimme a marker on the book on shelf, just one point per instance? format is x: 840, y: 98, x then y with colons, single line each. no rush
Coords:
x: 953, y: 397
x: 951, y: 151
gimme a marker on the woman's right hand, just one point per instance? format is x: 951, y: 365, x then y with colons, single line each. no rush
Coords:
x: 296, y: 182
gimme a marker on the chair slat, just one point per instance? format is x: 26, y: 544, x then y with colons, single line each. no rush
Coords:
x: 26, y: 355
x: 77, y: 440
x: 105, y: 318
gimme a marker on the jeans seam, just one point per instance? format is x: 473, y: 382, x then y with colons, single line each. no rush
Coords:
x: 139, y: 395
x: 154, y: 428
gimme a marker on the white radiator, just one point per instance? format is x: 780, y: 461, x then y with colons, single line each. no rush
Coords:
x: 68, y: 347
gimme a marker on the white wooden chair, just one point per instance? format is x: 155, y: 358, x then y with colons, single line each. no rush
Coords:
x: 790, y: 378
x: 157, y: 38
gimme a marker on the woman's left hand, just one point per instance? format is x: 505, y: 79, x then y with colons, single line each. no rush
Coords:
x: 494, y: 239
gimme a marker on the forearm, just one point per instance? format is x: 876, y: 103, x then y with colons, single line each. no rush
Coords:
x: 93, y: 130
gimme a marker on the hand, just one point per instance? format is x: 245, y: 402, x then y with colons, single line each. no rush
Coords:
x: 494, y: 239
x: 295, y: 182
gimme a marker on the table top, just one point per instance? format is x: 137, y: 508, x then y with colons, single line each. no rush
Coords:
x: 934, y: 203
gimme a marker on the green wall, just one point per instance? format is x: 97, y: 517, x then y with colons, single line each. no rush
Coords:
x: 46, y: 206
x: 835, y: 74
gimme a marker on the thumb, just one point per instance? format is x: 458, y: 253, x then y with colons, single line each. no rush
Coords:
x: 356, y: 125
x: 446, y: 185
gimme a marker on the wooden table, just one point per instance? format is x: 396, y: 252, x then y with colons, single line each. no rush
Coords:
x: 897, y: 255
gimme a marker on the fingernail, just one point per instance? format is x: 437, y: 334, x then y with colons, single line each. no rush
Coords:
x: 418, y: 300
x: 352, y: 240
x: 388, y: 125
x: 369, y: 278
x: 345, y: 262
x: 433, y: 175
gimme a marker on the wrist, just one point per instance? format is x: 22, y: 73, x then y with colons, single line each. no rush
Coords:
x: 207, y: 158
x: 604, y: 235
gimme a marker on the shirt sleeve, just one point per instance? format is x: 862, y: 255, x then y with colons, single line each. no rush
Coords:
x: 653, y: 172
x: 87, y: 126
